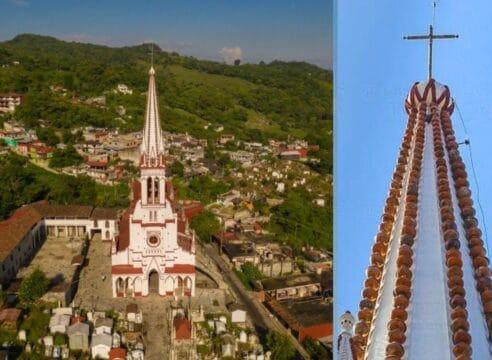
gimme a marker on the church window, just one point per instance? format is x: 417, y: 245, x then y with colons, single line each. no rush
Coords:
x: 107, y: 224
x: 153, y: 240
x: 156, y: 188
x: 107, y: 234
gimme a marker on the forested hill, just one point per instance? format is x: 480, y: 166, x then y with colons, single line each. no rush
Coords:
x: 254, y: 101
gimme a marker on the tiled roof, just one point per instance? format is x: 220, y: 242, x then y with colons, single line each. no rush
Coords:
x: 125, y: 269
x: 181, y: 269
x: 182, y: 328
x: 10, y: 314
x: 15, y: 228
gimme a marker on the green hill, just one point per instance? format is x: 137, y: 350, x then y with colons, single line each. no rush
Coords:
x: 253, y: 101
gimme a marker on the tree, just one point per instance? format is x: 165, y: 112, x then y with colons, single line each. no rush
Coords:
x: 177, y: 168
x: 280, y: 346
x: 65, y: 157
x: 315, y: 350
x: 205, y: 224
x: 237, y: 62
x: 33, y: 287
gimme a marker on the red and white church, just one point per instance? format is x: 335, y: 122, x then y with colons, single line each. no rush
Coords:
x: 154, y: 251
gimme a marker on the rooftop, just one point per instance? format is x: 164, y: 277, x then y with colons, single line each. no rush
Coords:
x: 309, y: 312
x: 290, y: 281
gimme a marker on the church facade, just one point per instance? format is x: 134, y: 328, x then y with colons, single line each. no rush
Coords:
x: 154, y: 251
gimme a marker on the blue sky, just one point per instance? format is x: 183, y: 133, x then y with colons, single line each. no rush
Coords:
x: 263, y: 30
x: 374, y: 69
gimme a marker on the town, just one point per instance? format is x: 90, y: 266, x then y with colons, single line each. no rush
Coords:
x: 262, y: 278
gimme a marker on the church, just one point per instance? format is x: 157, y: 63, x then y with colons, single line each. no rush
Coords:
x: 154, y: 251
x: 427, y: 293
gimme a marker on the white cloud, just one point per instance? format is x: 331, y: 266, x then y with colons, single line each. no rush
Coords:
x: 230, y: 54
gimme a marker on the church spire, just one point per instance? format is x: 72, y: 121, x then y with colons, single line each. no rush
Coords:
x: 428, y: 288
x: 152, y: 145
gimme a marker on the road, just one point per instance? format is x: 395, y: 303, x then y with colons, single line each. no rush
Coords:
x: 259, y: 315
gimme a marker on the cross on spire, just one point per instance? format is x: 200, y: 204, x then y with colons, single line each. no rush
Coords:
x: 430, y: 36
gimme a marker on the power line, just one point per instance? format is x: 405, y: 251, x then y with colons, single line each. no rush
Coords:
x: 475, y: 178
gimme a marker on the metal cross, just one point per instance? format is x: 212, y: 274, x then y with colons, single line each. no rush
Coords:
x: 430, y: 36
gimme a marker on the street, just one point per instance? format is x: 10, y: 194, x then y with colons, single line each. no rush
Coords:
x: 259, y: 315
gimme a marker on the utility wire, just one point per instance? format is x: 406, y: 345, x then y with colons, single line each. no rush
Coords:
x: 474, y: 177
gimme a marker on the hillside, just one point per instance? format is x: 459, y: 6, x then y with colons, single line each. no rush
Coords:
x: 253, y: 101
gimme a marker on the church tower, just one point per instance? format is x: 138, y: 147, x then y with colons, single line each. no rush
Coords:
x: 428, y: 289
x: 152, y: 165
x: 154, y: 251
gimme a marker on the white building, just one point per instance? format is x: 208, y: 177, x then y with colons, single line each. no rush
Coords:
x: 154, y: 250
x: 23, y: 233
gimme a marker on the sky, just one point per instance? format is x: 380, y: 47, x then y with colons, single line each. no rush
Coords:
x: 254, y: 30
x: 374, y: 70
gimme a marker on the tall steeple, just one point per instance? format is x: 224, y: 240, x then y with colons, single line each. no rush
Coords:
x: 152, y: 149
x: 428, y: 289
x: 152, y: 163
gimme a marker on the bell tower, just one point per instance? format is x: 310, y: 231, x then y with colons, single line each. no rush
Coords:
x: 152, y: 163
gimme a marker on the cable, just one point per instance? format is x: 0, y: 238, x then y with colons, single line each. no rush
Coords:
x: 474, y: 177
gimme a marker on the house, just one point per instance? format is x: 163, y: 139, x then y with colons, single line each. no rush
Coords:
x: 10, y: 318
x: 103, y: 325
x: 292, y: 286
x: 310, y: 317
x: 78, y: 336
x: 117, y: 354
x: 240, y: 253
x: 225, y: 138
x: 101, y: 346
x: 238, y: 314
x: 9, y: 101
x: 59, y: 323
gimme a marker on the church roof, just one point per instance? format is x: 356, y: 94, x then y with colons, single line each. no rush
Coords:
x: 435, y: 298
x: 153, y: 143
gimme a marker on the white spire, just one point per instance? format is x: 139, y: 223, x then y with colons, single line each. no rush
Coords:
x: 152, y: 144
x: 344, y: 347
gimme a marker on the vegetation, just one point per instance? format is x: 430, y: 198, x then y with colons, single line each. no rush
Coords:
x: 253, y: 101
x: 65, y: 157
x: 280, y: 346
x: 205, y: 224
x: 298, y: 222
x: 23, y: 183
x: 203, y: 188
x: 33, y: 287
x: 177, y: 168
x: 315, y: 350
x: 248, y: 275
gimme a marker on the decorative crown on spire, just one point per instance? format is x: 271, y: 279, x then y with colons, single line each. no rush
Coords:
x: 152, y: 145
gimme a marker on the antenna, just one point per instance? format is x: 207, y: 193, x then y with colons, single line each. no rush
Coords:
x: 430, y: 36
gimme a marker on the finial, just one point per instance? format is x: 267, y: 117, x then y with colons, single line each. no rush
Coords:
x: 430, y: 36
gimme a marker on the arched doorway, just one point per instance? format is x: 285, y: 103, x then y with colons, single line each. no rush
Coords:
x: 153, y: 282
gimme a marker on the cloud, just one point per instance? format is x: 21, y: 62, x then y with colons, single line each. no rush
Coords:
x: 230, y: 54
x: 20, y: 3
